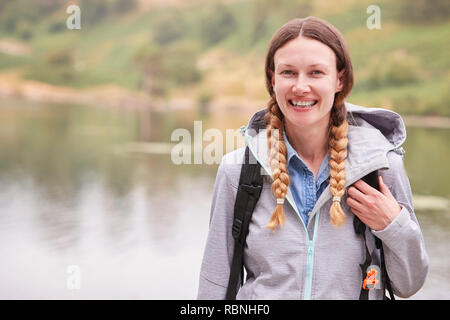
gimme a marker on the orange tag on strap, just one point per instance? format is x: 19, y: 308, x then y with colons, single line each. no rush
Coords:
x: 371, y: 280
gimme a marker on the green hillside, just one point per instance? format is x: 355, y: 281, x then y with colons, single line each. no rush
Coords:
x: 208, y: 49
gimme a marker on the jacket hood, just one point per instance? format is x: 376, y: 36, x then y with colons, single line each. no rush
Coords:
x: 372, y: 134
x: 388, y: 122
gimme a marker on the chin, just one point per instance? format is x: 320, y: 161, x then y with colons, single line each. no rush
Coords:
x: 306, y: 119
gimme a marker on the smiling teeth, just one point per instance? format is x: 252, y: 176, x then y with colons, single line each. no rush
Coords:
x: 303, y: 103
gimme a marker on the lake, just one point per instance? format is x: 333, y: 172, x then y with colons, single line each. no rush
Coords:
x: 92, y: 205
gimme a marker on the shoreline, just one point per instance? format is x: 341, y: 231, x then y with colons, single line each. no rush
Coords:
x: 13, y: 88
x: 435, y: 122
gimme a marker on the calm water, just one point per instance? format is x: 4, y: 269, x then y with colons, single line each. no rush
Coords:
x: 83, y: 215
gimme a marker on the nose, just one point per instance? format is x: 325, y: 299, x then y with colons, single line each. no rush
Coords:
x: 301, y: 86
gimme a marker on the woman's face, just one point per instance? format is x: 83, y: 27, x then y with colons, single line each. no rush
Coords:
x: 305, y: 82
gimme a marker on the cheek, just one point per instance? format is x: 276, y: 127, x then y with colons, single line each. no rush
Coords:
x: 326, y: 93
x: 281, y: 89
x: 325, y: 87
x: 281, y: 85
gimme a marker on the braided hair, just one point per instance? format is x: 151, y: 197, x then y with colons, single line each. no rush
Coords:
x: 277, y: 160
x: 318, y: 29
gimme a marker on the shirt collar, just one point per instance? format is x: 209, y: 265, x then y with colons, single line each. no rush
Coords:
x: 290, y: 150
x: 324, y: 170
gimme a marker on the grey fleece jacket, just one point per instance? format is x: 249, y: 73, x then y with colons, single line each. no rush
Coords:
x: 317, y: 261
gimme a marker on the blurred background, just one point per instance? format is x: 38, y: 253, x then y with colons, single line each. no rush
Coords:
x: 86, y: 117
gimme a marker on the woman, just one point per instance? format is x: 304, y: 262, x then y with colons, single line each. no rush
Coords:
x: 315, y: 151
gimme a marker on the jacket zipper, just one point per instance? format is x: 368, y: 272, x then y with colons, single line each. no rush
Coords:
x: 310, y: 243
x: 310, y: 260
x: 309, y: 270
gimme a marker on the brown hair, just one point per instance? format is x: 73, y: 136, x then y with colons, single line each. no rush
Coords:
x: 317, y: 29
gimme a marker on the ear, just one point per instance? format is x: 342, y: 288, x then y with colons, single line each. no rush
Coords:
x: 272, y: 78
x: 339, y: 81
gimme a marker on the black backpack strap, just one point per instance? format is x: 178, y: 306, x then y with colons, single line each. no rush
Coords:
x: 360, y: 228
x: 249, y: 190
x: 386, y: 282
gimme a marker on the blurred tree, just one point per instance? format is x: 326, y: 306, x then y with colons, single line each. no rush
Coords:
x: 3, y: 4
x: 59, y: 58
x: 59, y: 63
x: 204, y: 98
x: 15, y: 14
x: 396, y: 68
x: 167, y: 28
x: 56, y: 67
x: 124, y: 6
x: 286, y: 10
x: 57, y: 26
x: 44, y: 8
x: 93, y: 11
x: 150, y: 62
x: 10, y: 15
x: 25, y: 30
x: 165, y: 67
x: 424, y: 11
x: 180, y: 63
x: 260, y: 13
x: 216, y: 22
x: 291, y: 9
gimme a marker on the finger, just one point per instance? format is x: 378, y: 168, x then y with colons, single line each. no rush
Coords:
x: 358, y: 213
x: 364, y: 187
x: 384, y: 188
x: 356, y: 194
x: 356, y: 205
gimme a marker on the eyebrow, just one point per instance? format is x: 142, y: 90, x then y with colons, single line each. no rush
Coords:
x: 311, y: 65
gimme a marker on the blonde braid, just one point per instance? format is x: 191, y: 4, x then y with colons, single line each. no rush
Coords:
x: 338, y: 152
x: 277, y: 159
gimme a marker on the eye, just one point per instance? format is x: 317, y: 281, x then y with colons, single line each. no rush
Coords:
x: 287, y: 72
x: 317, y: 72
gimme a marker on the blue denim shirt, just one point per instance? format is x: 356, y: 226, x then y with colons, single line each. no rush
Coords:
x: 305, y: 190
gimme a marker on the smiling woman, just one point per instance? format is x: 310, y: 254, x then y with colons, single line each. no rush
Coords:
x: 304, y: 89
x: 315, y: 150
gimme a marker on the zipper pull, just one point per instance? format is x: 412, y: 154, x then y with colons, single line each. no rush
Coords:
x: 242, y: 130
x: 310, y: 248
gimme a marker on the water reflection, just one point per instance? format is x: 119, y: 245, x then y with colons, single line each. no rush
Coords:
x: 435, y: 227
x: 135, y: 223
x: 426, y: 152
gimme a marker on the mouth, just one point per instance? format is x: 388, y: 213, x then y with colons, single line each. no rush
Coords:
x: 303, y: 104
